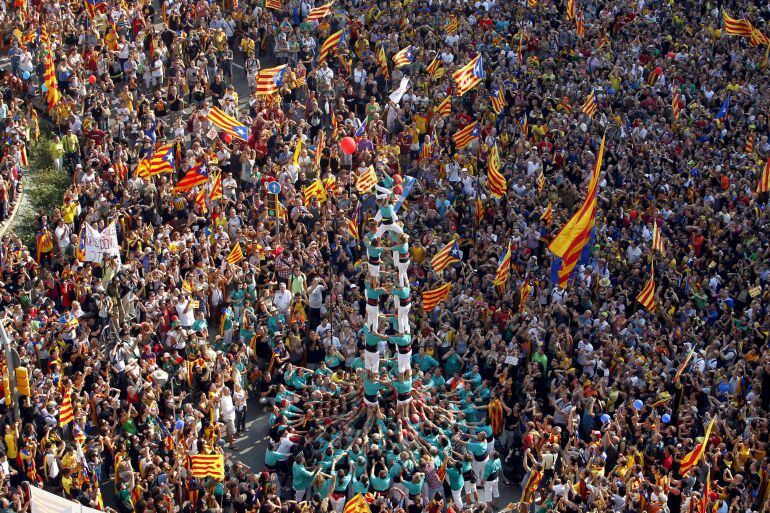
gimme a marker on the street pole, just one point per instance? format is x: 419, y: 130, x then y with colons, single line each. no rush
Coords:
x: 11, y: 372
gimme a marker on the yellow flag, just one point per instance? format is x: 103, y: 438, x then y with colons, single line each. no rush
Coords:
x: 297, y: 150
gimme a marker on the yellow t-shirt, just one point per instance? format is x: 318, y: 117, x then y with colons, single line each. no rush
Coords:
x: 418, y: 254
x: 10, y: 445
x: 68, y: 211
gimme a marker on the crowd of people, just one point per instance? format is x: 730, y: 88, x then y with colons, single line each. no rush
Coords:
x: 322, y: 309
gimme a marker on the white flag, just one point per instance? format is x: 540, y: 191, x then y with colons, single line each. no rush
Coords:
x: 99, y: 244
x: 396, y: 95
x: 46, y: 502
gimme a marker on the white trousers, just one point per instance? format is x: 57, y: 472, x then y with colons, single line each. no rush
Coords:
x: 373, y: 317
x: 403, y: 318
x: 404, y: 362
x: 403, y: 267
x: 491, y: 490
x: 372, y: 361
x: 383, y: 228
x: 457, y: 496
x: 374, y: 270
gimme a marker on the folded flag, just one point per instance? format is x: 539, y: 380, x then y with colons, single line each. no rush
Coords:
x: 431, y: 298
x: 236, y: 254
x: 657, y: 241
x: 332, y: 43
x: 693, y: 457
x: 503, y: 267
x: 66, y: 413
x: 366, y: 181
x: 547, y: 215
x: 735, y: 27
x: 444, y: 108
x: 452, y: 25
x: 382, y: 60
x: 357, y: 504
x: 434, y: 66
x: 496, y: 182
x: 498, y: 100
x: 274, y: 4
x: 764, y: 179
x: 228, y: 124
x: 591, y: 105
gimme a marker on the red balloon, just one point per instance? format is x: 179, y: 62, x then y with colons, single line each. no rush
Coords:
x: 228, y: 138
x: 348, y: 145
x: 92, y: 80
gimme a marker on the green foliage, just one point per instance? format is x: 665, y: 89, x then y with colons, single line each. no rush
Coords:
x: 44, y: 188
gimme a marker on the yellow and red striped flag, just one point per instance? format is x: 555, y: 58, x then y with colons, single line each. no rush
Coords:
x: 236, y: 254
x: 676, y: 105
x: 270, y: 80
x: 162, y: 161
x: 590, y: 106
x: 227, y: 123
x: 319, y: 13
x: 196, y: 176
x: 503, y: 267
x: 448, y: 255
x: 547, y: 215
x: 574, y: 235
x: 735, y: 27
x: 580, y: 27
x: 444, y: 108
x: 66, y: 413
x: 366, y: 181
x: 647, y: 296
x: 466, y: 135
x: 352, y: 225
x: 570, y: 11
x: 693, y: 457
x: 764, y: 179
x: 532, y: 3
x: 404, y: 57
x: 469, y: 76
x: 319, y: 149
x: 657, y: 241
x: 540, y: 182
x: 208, y: 465
x: 216, y: 188
x: 315, y: 190
x: 335, y: 127
x: 749, y: 146
x: 757, y: 38
x: 528, y: 493
x: 274, y: 4
x: 479, y: 211
x: 703, y: 502
x: 431, y: 298
x: 524, y: 292
x: 434, y: 66
x: 332, y: 42
x: 683, y: 366
x: 498, y: 99
x: 496, y: 182
x: 382, y: 60
x: 357, y: 504
x: 200, y: 199
x: 426, y: 150
x: 452, y: 25
x: 49, y: 79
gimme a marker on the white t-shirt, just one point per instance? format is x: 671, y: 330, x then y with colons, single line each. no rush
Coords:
x: 184, y: 314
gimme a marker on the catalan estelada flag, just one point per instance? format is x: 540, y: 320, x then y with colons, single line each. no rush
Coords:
x: 208, y: 465
x: 503, y: 267
x: 357, y: 504
x: 444, y: 108
x: 366, y: 181
x: 574, y: 235
x: 693, y: 457
x: 352, y: 224
x: 319, y: 13
x: 591, y: 105
x: 93, y: 7
x: 763, y: 185
x: 498, y: 100
x: 496, y: 182
x: 66, y: 413
x: 315, y: 190
x: 470, y: 75
x: 404, y: 57
x: 466, y: 135
x: 236, y: 254
x: 332, y: 43
x: 735, y: 27
x: 270, y: 80
x: 431, y: 298
x: 647, y: 296
x: 448, y: 255
x: 528, y: 493
x: 228, y: 124
x: 657, y: 240
x: 198, y: 175
x: 274, y: 4
x: 162, y: 161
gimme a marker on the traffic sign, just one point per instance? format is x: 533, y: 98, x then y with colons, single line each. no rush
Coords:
x: 274, y: 188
